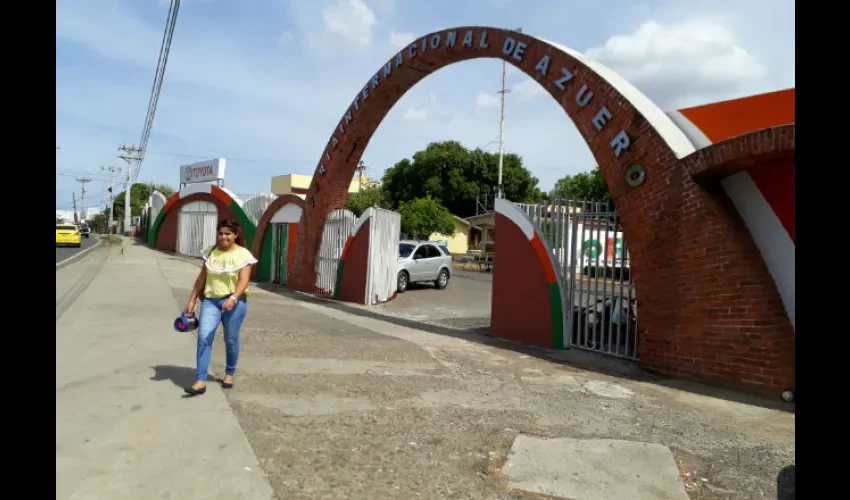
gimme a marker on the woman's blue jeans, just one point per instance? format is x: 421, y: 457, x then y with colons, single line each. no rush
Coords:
x: 211, y: 316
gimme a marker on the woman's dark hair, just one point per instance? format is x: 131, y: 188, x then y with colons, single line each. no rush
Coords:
x: 234, y: 226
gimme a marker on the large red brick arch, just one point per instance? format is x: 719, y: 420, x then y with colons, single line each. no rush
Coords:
x: 680, y: 273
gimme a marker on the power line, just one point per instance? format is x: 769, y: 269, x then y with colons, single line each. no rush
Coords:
x: 162, y: 62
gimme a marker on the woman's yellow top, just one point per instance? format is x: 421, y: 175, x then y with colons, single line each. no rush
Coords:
x: 223, y: 270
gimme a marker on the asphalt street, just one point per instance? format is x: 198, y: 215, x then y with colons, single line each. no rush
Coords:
x: 63, y: 253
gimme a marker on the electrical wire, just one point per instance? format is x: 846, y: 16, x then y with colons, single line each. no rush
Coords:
x: 164, y: 50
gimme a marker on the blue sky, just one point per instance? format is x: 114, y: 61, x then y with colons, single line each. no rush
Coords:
x: 263, y: 82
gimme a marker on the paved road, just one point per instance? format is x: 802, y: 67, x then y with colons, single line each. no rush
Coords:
x: 63, y: 253
x: 465, y: 304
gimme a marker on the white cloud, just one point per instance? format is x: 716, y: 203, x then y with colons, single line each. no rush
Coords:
x: 400, y: 40
x: 682, y: 64
x: 416, y: 114
x: 430, y: 112
x: 350, y: 20
x: 528, y: 90
x: 486, y: 101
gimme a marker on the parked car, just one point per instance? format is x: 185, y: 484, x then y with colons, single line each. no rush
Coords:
x: 84, y: 229
x: 68, y: 234
x: 423, y: 261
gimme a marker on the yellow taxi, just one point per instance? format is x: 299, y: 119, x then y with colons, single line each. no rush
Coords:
x: 68, y: 234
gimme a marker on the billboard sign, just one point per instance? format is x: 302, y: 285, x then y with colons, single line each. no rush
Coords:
x: 205, y: 171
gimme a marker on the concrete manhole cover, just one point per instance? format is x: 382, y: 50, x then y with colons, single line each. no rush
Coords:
x: 593, y: 469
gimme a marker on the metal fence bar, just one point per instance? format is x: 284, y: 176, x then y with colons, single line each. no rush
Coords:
x: 571, y: 279
x: 586, y: 240
x: 635, y: 336
x: 581, y: 325
x: 606, y: 302
x: 596, y: 313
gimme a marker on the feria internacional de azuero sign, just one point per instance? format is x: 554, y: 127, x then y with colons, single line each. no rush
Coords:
x: 512, y: 50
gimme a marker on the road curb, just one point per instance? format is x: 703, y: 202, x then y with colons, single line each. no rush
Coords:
x: 76, y: 256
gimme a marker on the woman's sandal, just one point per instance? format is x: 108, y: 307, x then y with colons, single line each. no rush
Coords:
x: 195, y: 392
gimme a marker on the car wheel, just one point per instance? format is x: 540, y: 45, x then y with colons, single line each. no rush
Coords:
x: 442, y: 280
x: 403, y: 281
x: 78, y: 245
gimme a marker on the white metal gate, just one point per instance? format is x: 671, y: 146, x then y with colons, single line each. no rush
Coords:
x: 600, y: 303
x: 382, y: 270
x: 338, y: 227
x: 196, y: 227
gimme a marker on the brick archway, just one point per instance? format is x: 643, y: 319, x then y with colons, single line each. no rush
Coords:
x: 265, y: 220
x: 681, y: 240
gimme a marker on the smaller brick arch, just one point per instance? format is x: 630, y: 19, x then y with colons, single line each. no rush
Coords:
x: 163, y: 233
x: 732, y: 155
x: 260, y: 245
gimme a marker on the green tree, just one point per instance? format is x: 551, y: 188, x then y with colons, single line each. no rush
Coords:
x: 140, y: 195
x: 456, y: 177
x: 372, y: 195
x: 422, y: 217
x: 586, y: 186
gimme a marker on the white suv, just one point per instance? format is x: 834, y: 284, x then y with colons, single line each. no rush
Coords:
x: 423, y: 261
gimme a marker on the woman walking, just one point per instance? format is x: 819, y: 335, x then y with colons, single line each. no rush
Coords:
x: 222, y: 286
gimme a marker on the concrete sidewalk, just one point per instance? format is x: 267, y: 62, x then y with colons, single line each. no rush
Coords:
x: 123, y: 429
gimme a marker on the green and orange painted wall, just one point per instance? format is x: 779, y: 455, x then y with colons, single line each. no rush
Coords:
x: 527, y: 302
x: 163, y: 232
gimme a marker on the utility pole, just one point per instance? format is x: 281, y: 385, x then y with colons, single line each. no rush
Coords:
x: 74, y: 198
x: 83, y: 181
x: 111, y: 171
x: 500, y: 193
x: 131, y: 153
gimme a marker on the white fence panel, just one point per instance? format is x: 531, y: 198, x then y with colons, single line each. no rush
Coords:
x: 382, y: 269
x: 196, y: 227
x: 256, y: 205
x: 338, y: 227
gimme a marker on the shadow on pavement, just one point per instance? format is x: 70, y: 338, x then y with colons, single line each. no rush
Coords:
x: 577, y: 358
x: 786, y: 483
x: 181, y: 376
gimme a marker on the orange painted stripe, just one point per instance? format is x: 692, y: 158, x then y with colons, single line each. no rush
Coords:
x: 346, y: 248
x: 726, y: 119
x: 171, y: 202
x: 221, y: 195
x: 543, y: 255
